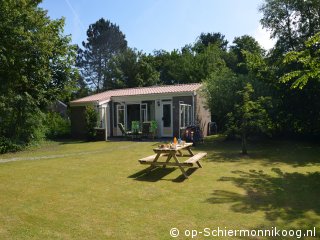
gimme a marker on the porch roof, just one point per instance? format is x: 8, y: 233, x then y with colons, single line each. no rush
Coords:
x: 107, y: 95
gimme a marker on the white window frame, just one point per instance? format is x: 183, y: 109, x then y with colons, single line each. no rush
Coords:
x: 101, y: 116
x: 186, y: 110
x: 124, y: 113
x: 143, y: 112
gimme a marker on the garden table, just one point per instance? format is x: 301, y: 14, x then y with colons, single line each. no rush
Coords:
x: 174, y: 153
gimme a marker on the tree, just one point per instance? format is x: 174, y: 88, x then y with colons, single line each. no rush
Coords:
x: 306, y: 63
x: 82, y: 89
x: 249, y: 117
x: 248, y: 44
x: 104, y: 40
x: 221, y: 88
x: 131, y: 68
x: 291, y: 22
x: 36, y: 67
x: 91, y: 116
x: 205, y: 39
x: 188, y: 66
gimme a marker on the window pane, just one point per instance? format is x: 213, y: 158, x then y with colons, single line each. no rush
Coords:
x: 121, y: 116
x: 182, y: 116
x: 167, y: 115
x: 186, y: 115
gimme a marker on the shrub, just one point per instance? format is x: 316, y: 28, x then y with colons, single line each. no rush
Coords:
x: 91, y: 122
x: 154, y: 128
x: 7, y: 145
x: 57, y: 126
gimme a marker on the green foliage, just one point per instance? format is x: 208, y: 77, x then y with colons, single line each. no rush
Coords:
x: 131, y: 68
x: 206, y: 39
x: 91, y: 116
x: 188, y: 66
x: 306, y: 63
x: 250, y: 116
x: 242, y: 45
x: 36, y: 67
x: 221, y: 89
x: 154, y: 126
x: 135, y: 126
x: 291, y: 22
x: 104, y: 40
x: 21, y: 119
x: 7, y: 145
x: 57, y: 126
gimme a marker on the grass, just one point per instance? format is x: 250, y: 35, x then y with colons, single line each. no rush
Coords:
x: 79, y: 190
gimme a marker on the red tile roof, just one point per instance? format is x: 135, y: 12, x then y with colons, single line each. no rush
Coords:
x: 105, y: 96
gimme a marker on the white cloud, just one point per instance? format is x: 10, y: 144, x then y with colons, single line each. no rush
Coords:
x: 263, y: 37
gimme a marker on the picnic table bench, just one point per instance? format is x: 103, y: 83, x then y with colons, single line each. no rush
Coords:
x: 173, y: 153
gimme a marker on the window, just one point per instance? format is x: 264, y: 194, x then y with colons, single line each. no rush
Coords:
x: 120, y: 114
x: 144, y: 112
x: 101, y: 112
x: 185, y: 115
x: 166, y: 114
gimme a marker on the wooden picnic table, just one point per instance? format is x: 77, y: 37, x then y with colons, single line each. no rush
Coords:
x: 174, y: 153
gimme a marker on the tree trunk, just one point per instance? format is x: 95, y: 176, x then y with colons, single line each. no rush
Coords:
x: 244, y: 143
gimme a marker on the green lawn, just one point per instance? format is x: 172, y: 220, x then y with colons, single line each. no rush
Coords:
x: 75, y: 190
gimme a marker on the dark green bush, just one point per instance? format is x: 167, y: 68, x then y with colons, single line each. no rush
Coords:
x: 7, y: 145
x: 91, y: 122
x: 57, y: 126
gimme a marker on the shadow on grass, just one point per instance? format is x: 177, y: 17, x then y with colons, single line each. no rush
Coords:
x: 285, y: 196
x: 154, y: 174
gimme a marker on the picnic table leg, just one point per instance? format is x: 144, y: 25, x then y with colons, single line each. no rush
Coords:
x: 179, y: 165
x: 199, y: 164
x: 168, y: 159
x: 189, y: 150
x: 180, y: 153
x: 155, y: 159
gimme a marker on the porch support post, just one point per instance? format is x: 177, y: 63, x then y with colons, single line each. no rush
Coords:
x: 106, y: 122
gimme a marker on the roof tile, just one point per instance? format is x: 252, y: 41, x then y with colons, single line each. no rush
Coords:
x: 105, y: 96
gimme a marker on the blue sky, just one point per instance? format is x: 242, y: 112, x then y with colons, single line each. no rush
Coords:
x: 162, y: 24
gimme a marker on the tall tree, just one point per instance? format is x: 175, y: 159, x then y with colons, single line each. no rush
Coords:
x: 305, y: 64
x: 221, y: 88
x: 291, y: 22
x: 36, y: 67
x: 249, y: 117
x: 131, y: 68
x: 104, y: 40
x: 205, y: 39
x: 241, y: 44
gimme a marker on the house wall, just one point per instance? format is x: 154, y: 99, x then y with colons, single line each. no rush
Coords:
x: 78, y: 123
x: 175, y: 111
x: 203, y: 115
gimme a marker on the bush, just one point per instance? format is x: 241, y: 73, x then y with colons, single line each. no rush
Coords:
x: 91, y: 122
x: 7, y: 145
x: 21, y: 120
x: 57, y: 126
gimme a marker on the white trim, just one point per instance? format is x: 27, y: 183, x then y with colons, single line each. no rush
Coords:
x: 135, y: 98
x: 124, y: 117
x: 106, y: 122
x: 91, y: 103
x: 146, y: 111
x: 161, y: 123
x: 150, y: 97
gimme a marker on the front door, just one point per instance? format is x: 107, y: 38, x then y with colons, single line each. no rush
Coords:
x: 166, y: 126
